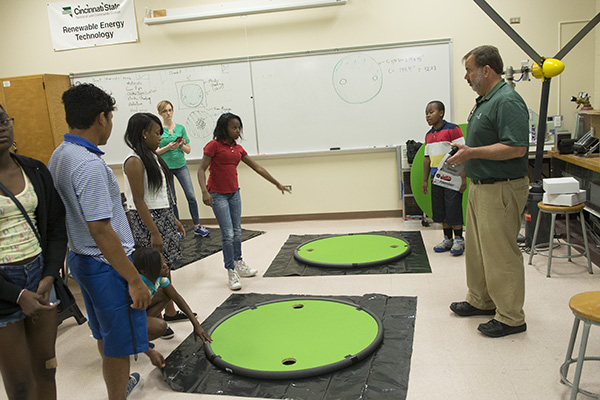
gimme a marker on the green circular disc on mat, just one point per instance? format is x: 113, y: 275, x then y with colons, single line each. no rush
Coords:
x: 353, y: 250
x: 416, y: 182
x: 294, y: 338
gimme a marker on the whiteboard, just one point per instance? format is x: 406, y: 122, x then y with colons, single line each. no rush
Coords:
x: 200, y: 94
x: 350, y: 98
x: 354, y: 99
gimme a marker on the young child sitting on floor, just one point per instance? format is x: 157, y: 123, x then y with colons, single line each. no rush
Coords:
x: 153, y: 271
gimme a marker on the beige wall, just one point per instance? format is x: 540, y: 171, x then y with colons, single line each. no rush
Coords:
x: 597, y: 63
x: 340, y: 183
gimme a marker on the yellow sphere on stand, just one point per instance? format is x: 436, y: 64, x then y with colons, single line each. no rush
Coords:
x: 550, y: 68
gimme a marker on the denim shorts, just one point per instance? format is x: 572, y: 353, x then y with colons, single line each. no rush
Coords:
x: 26, y: 276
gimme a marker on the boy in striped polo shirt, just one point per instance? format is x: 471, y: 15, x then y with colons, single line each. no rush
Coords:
x: 100, y: 240
x: 446, y: 203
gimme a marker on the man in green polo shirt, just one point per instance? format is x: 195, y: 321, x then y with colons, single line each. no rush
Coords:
x: 495, y: 158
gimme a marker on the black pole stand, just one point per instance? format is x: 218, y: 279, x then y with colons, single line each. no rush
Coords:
x: 536, y: 190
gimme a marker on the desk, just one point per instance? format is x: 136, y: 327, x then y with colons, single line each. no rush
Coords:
x: 592, y: 162
x: 546, y: 161
x: 585, y: 169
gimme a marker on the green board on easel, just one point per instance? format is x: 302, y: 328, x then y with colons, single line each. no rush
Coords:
x: 416, y: 182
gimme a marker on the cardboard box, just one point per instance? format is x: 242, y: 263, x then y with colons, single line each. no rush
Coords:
x: 564, y: 199
x: 560, y: 185
x: 591, y: 119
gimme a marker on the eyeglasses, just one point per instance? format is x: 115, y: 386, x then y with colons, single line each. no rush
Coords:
x: 7, y: 123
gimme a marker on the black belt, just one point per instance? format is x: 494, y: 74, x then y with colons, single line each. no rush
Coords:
x: 489, y: 181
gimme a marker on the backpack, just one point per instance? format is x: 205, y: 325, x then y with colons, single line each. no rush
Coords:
x: 412, y: 148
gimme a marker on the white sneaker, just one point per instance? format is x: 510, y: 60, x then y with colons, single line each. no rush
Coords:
x: 445, y: 245
x: 243, y: 269
x: 234, y: 279
x: 458, y: 247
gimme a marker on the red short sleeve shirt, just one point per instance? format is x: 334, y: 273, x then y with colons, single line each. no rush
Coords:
x: 223, y: 176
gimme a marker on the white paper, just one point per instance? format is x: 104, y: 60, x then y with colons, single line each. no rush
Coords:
x: 447, y: 175
x: 91, y: 23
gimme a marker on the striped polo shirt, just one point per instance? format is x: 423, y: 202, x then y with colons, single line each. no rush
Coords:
x: 439, y: 142
x: 90, y: 192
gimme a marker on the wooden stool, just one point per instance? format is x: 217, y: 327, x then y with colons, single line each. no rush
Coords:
x: 586, y: 308
x: 546, y: 208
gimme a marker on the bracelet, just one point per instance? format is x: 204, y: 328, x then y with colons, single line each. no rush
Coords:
x: 19, y: 296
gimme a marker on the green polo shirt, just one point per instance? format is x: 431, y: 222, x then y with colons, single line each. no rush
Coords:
x: 499, y: 117
x: 174, y: 158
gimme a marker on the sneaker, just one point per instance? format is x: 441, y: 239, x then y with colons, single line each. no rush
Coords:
x: 179, y: 316
x: 134, y: 382
x: 458, y: 247
x: 169, y: 334
x: 445, y: 245
x: 234, y: 279
x: 199, y: 230
x: 243, y: 269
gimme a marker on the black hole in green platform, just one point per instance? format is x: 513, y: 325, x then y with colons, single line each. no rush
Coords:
x: 298, y: 306
x: 289, y: 361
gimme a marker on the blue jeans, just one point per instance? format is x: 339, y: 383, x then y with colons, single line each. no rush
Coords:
x: 183, y: 176
x: 228, y: 211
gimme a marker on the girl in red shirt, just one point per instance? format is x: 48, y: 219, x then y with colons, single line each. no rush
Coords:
x: 221, y: 157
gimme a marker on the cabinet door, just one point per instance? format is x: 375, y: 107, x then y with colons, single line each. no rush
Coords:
x: 55, y: 87
x: 25, y: 100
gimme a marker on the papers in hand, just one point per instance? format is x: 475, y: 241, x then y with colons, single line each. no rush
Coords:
x: 448, y: 175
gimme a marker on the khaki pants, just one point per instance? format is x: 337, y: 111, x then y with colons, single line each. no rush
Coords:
x: 495, y: 271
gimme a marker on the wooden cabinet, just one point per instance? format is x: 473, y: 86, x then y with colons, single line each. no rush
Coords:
x: 35, y: 102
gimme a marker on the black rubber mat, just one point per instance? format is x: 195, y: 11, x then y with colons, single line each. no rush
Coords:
x: 196, y: 247
x: 381, y: 376
x: 284, y: 264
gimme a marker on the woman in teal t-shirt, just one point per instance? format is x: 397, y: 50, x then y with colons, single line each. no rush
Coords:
x: 174, y: 145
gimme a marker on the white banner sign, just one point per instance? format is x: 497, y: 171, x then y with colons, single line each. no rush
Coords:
x: 92, y: 23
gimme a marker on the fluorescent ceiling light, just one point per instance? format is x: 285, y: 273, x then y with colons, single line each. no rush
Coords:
x: 233, y: 8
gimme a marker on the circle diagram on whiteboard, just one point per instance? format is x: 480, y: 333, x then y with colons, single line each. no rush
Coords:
x: 294, y: 338
x: 199, y: 124
x: 191, y: 95
x: 357, y: 78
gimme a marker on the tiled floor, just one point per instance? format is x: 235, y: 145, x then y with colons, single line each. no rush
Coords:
x: 451, y: 360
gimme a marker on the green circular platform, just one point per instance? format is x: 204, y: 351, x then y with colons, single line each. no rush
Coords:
x: 294, y: 338
x: 352, y: 250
